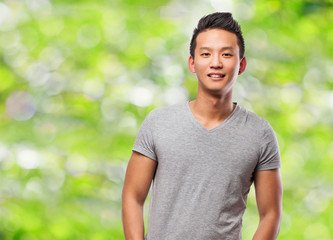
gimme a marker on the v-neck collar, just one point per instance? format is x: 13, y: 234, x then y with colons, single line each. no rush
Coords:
x: 221, y: 125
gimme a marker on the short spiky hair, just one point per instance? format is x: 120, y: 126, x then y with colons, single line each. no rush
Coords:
x: 218, y: 20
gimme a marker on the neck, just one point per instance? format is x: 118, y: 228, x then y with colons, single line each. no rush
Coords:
x: 213, y: 107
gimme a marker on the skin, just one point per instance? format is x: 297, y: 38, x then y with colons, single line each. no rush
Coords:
x: 139, y: 175
x: 216, y: 52
x: 268, y: 188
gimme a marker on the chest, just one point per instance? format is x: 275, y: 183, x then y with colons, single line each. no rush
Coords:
x: 228, y: 153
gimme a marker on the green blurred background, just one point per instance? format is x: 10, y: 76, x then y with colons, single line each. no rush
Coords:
x: 77, y: 78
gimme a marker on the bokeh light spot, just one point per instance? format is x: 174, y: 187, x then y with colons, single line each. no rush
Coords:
x: 257, y: 39
x: 154, y: 47
x: 45, y: 131
x: 316, y: 200
x: 141, y: 96
x: 5, y: 13
x: 244, y: 10
x: 16, y: 55
x: 55, y: 179
x: 110, y: 110
x: 3, y: 152
x: 222, y: 6
x: 52, y: 57
x: 175, y: 95
x: 55, y: 83
x: 88, y: 36
x: 20, y: 106
x: 37, y: 4
x: 291, y: 95
x: 51, y: 26
x: 173, y: 74
x: 94, y: 88
x: 33, y: 188
x: 316, y: 231
x: 38, y: 74
x: 28, y: 158
x: 76, y: 165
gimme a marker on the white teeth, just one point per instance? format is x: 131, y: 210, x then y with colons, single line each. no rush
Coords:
x: 216, y: 75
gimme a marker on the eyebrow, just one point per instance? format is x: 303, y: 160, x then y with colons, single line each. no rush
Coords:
x: 223, y: 48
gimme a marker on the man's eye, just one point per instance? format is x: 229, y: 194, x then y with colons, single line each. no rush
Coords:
x: 205, y: 54
x: 227, y: 54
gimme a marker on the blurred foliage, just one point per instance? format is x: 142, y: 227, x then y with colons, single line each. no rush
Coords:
x: 78, y: 78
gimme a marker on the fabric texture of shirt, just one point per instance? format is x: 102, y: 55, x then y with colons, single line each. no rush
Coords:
x: 203, y: 177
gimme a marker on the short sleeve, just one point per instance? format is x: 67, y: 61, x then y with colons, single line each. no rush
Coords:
x: 269, y: 149
x: 144, y: 142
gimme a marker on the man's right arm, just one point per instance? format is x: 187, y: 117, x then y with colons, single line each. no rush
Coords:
x: 139, y: 175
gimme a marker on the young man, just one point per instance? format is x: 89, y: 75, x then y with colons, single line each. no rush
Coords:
x: 203, y: 155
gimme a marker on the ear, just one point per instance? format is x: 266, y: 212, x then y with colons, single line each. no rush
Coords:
x: 242, y: 66
x: 191, y: 64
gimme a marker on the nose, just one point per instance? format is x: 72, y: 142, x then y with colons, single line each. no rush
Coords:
x: 216, y: 62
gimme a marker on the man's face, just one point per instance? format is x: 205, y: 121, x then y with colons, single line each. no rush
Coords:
x: 216, y: 62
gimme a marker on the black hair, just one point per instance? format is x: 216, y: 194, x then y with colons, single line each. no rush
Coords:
x: 218, y: 20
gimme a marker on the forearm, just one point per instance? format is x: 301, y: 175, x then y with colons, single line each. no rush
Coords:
x: 268, y: 228
x: 132, y: 215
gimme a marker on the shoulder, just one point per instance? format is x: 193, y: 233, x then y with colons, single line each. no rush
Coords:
x: 164, y: 119
x: 251, y: 124
x: 260, y: 127
x: 252, y: 120
x: 167, y: 112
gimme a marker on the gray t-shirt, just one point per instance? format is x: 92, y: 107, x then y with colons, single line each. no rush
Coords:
x: 203, y: 177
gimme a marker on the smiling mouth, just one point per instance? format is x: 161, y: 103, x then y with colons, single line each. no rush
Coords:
x: 216, y: 75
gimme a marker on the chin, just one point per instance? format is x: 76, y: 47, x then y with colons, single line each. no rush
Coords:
x: 217, y: 88
x: 220, y: 90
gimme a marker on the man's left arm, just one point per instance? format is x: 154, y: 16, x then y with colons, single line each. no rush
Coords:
x: 268, y: 189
